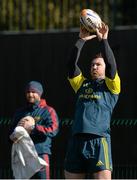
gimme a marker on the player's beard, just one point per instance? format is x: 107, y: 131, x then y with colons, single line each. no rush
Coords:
x: 95, y: 75
x: 31, y: 100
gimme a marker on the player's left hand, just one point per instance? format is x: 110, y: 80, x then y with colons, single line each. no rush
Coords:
x: 102, y: 31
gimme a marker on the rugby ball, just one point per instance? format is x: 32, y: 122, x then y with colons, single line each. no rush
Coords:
x: 90, y: 19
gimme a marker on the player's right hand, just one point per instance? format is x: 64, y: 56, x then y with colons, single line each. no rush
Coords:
x: 84, y: 34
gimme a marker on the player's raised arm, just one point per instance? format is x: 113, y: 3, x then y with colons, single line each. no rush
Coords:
x: 73, y: 69
x: 111, y: 68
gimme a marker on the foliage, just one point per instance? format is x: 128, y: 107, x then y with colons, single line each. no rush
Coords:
x: 41, y: 15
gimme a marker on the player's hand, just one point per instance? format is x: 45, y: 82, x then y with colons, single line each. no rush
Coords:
x: 102, y: 32
x: 27, y: 122
x: 22, y: 122
x: 84, y: 34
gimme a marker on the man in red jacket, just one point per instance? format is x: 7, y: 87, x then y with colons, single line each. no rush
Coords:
x: 46, y: 124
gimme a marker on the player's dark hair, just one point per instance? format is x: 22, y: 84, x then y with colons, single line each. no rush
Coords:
x: 99, y: 55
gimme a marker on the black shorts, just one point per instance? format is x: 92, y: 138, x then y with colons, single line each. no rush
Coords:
x: 88, y: 154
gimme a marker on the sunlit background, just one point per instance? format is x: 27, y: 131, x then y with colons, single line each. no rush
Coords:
x: 44, y: 15
x: 35, y: 39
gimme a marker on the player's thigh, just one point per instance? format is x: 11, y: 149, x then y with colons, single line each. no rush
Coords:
x: 69, y: 175
x: 103, y: 174
x: 73, y: 162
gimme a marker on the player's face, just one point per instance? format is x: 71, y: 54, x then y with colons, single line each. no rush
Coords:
x: 32, y: 97
x: 97, y: 69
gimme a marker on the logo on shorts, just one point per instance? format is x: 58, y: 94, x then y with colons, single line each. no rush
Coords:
x: 99, y: 163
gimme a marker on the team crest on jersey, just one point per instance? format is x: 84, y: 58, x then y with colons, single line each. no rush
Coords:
x: 89, y: 90
x: 37, y: 118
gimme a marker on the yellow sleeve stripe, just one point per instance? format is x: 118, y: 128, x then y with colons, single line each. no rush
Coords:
x: 76, y: 82
x: 113, y: 85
